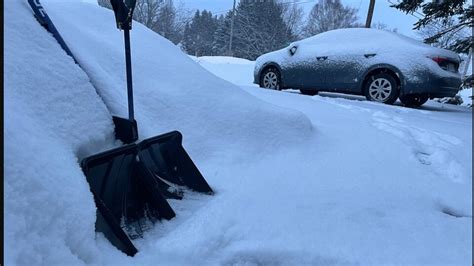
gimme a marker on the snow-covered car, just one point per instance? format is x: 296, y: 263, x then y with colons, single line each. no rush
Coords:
x: 379, y: 64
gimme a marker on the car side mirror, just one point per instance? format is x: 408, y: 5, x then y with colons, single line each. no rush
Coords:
x: 293, y: 50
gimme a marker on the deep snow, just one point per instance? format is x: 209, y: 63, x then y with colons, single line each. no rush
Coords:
x: 299, y: 180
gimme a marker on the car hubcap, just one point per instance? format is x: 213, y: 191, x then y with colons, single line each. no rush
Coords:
x: 270, y: 81
x: 380, y: 89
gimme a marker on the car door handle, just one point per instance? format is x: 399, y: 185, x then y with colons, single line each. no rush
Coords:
x: 369, y: 55
x: 321, y: 58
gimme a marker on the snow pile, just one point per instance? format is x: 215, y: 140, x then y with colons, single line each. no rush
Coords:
x: 172, y: 92
x: 350, y: 45
x: 331, y: 181
x: 466, y: 96
x: 241, y: 69
x: 51, y: 114
x: 54, y: 118
x: 378, y: 182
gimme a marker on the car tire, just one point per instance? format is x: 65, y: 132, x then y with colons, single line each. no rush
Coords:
x: 382, y: 88
x: 270, y: 79
x: 413, y: 100
x: 309, y: 92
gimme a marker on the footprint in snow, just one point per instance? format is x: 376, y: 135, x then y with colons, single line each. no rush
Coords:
x: 423, y: 158
x: 429, y: 148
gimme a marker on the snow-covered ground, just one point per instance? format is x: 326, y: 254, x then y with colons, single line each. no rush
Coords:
x: 321, y: 180
x: 236, y: 70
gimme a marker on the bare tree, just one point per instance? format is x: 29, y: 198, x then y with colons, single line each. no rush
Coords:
x: 166, y: 22
x: 382, y: 26
x: 293, y: 17
x: 183, y: 16
x: 147, y: 11
x: 259, y: 28
x: 329, y: 15
x: 161, y: 16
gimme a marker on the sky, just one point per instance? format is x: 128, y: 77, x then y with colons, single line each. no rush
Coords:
x: 383, y: 13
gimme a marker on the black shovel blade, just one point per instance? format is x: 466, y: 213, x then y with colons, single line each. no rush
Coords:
x: 125, y: 130
x: 165, y: 158
x: 125, y: 194
x: 110, y: 227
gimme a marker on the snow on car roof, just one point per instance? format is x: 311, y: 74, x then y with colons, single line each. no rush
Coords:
x: 364, y: 40
x: 359, y: 35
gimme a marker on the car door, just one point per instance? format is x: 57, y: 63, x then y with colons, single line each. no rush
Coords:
x: 346, y: 71
x: 305, y: 70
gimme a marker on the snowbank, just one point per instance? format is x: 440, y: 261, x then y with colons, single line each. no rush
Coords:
x: 52, y: 114
x: 466, y: 96
x: 172, y: 92
x: 228, y: 60
x: 54, y: 118
x: 236, y: 70
x: 381, y: 182
x: 348, y: 182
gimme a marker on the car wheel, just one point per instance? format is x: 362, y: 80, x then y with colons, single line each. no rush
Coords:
x: 413, y: 100
x: 382, y: 88
x: 270, y: 79
x: 309, y: 92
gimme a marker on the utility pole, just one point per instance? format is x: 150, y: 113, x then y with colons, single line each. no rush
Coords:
x: 466, y: 67
x: 231, y: 30
x: 370, y: 14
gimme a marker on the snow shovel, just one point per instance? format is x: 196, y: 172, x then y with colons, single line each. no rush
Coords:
x: 127, y: 196
x: 126, y: 182
x: 130, y: 184
x: 164, y: 155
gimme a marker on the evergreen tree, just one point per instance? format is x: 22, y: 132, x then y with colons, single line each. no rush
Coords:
x: 443, y: 11
x: 445, y: 41
x: 166, y: 24
x: 222, y: 35
x: 259, y: 28
x: 199, y: 34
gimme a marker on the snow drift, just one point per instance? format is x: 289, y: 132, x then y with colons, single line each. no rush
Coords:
x: 370, y: 184
x: 54, y: 117
x: 241, y: 70
x: 171, y: 91
x: 51, y: 114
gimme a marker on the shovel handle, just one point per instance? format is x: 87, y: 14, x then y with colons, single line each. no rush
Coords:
x: 128, y: 62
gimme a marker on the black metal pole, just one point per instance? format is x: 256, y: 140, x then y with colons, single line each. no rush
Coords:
x: 128, y: 62
x: 370, y: 14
